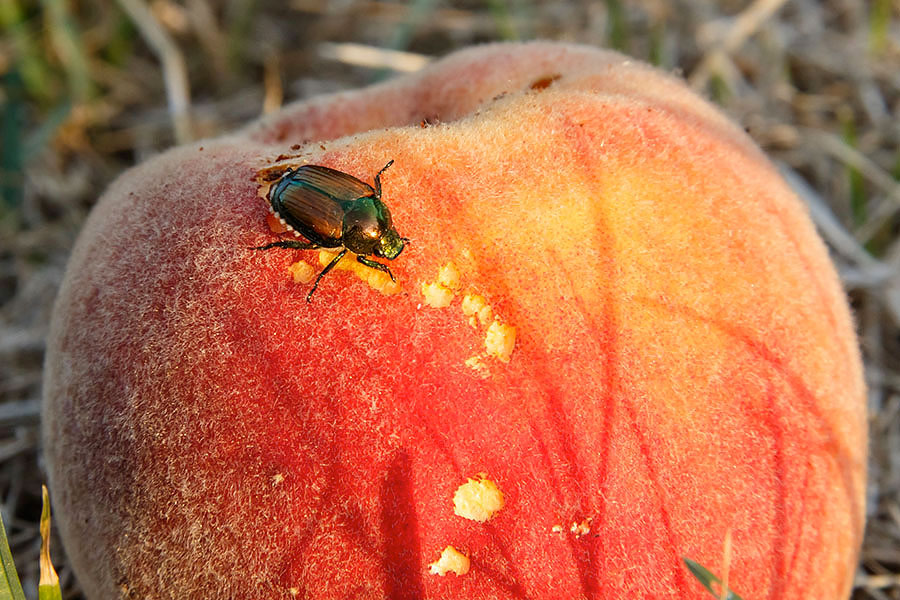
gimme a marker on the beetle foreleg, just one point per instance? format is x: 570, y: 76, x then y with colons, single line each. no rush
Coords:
x: 327, y: 268
x: 287, y: 244
x: 375, y: 265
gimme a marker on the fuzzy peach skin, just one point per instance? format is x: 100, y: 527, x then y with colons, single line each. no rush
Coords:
x: 612, y: 311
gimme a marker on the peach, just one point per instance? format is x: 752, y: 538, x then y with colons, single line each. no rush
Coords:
x: 614, y: 339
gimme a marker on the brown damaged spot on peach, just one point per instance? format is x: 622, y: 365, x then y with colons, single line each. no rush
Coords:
x: 377, y: 280
x: 544, y: 82
x: 478, y: 499
x: 451, y: 561
x: 268, y: 175
x: 294, y: 157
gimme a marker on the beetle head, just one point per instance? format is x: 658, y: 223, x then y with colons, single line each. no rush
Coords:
x: 390, y: 245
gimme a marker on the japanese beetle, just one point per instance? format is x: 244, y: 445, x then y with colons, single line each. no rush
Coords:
x: 332, y: 209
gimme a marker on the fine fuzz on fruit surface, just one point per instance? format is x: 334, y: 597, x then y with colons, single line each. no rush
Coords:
x: 613, y: 316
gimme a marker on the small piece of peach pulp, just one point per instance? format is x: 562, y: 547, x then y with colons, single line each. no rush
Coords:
x: 440, y: 293
x: 478, y: 499
x: 500, y: 340
x: 302, y: 272
x: 448, y: 276
x: 477, y: 309
x: 436, y: 295
x: 476, y: 364
x: 580, y: 529
x: 451, y: 561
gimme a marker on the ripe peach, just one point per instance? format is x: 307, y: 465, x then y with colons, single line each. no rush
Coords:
x: 614, y: 338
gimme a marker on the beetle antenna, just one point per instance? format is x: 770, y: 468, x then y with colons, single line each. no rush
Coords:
x: 378, y: 177
x: 385, y: 167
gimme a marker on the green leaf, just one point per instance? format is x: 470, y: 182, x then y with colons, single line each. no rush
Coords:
x: 10, y: 588
x: 708, y: 579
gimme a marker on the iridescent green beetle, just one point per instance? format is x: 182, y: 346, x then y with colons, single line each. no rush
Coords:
x: 332, y: 210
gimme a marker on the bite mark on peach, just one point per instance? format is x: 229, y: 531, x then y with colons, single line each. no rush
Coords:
x: 451, y: 561
x: 577, y: 528
x: 581, y: 528
x: 436, y: 295
x: 276, y: 225
x: 302, y: 272
x: 377, y: 280
x: 448, y: 276
x: 500, y: 340
x: 440, y: 293
x: 478, y: 499
x: 477, y: 309
x: 476, y: 364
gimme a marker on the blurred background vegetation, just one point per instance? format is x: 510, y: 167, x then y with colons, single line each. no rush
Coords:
x: 89, y: 88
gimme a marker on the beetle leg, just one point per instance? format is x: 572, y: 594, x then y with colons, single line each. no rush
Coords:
x: 287, y: 244
x: 375, y: 265
x: 327, y: 268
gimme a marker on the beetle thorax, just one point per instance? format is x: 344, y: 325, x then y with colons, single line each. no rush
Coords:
x: 361, y: 230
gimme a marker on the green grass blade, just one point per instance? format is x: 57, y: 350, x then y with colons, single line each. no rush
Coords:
x: 66, y: 40
x: 708, y: 579
x: 503, y: 21
x: 22, y: 34
x: 618, y: 34
x: 879, y: 25
x: 10, y: 588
